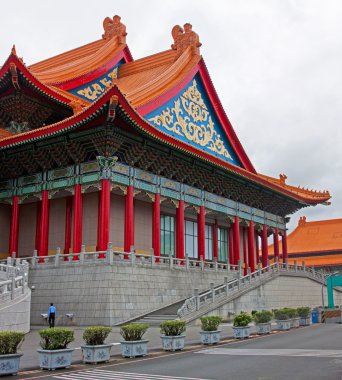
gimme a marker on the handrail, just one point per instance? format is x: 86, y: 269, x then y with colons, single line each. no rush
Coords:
x: 16, y: 281
x: 228, y: 288
x: 132, y: 258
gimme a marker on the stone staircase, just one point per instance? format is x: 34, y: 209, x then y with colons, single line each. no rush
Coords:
x: 202, y: 303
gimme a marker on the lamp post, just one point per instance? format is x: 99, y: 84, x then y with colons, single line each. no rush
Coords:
x: 326, y: 279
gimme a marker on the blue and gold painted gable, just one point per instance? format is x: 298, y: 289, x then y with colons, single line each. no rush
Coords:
x: 190, y: 117
x: 92, y: 90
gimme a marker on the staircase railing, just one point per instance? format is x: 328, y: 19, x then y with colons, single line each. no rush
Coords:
x: 13, y: 279
x: 229, y: 288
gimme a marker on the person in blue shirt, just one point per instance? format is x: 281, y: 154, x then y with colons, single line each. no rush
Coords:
x: 52, y: 315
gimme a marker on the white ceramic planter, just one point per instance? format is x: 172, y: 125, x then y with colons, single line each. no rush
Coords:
x: 173, y: 343
x: 263, y: 328
x: 9, y: 364
x: 295, y: 322
x: 134, y: 348
x: 304, y: 321
x: 241, y: 332
x: 96, y: 354
x: 210, y: 337
x: 53, y: 359
x: 284, y: 324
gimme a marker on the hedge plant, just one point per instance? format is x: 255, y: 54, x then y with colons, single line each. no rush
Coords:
x: 291, y: 312
x: 56, y: 338
x: 242, y: 320
x: 211, y: 323
x: 173, y: 328
x: 304, y: 312
x: 96, y: 335
x: 263, y: 316
x: 281, y: 314
x: 10, y: 341
x: 133, y: 331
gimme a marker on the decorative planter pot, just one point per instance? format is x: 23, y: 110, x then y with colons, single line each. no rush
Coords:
x: 133, y: 348
x: 295, y: 322
x: 263, y: 328
x: 173, y: 343
x: 9, y: 364
x: 210, y: 337
x: 53, y: 359
x: 284, y: 324
x: 305, y: 321
x: 242, y: 332
x: 96, y: 354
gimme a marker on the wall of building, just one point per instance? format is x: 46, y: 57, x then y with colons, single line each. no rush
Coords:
x: 117, y: 217
x: 57, y: 224
x: 15, y: 314
x: 142, y: 226
x: 27, y: 229
x: 90, y: 219
x: 5, y: 223
x: 107, y: 294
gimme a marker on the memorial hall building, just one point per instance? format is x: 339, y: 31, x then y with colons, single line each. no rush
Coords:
x: 97, y: 147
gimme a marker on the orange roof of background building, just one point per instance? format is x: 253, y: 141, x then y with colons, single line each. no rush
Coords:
x: 316, y: 236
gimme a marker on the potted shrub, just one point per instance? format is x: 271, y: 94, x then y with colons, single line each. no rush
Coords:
x: 9, y: 357
x: 172, y: 336
x: 95, y: 351
x: 304, y: 314
x: 240, y: 326
x: 262, y: 321
x: 283, y: 319
x: 293, y: 316
x: 133, y: 345
x: 55, y: 352
x: 210, y: 333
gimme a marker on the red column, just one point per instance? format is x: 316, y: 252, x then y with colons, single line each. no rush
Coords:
x: 251, y: 250
x: 180, y: 253
x: 44, y: 225
x: 236, y: 232
x: 156, y: 225
x: 276, y: 244
x: 231, y: 245
x: 284, y: 244
x: 38, y: 216
x: 77, y: 227
x: 215, y: 241
x: 14, y: 229
x: 264, y: 246
x: 129, y: 219
x: 201, y: 233
x: 103, y: 216
x: 244, y: 244
x: 67, y: 230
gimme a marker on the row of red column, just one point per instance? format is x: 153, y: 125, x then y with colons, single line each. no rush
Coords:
x: 249, y: 243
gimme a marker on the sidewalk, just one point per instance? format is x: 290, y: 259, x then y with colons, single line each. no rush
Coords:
x: 29, y: 360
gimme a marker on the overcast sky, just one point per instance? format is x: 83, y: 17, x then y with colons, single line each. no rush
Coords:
x: 276, y: 65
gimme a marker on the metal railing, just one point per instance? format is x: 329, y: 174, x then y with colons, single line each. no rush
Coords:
x: 230, y: 288
x: 111, y: 257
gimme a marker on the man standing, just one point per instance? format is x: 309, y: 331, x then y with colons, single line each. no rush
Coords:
x: 52, y: 315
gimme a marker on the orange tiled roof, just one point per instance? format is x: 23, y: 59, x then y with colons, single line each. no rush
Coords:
x: 317, y: 236
x: 5, y: 133
x: 328, y: 260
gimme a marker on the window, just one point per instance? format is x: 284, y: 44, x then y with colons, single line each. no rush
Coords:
x: 222, y: 238
x: 191, y: 239
x: 208, y: 242
x: 167, y: 235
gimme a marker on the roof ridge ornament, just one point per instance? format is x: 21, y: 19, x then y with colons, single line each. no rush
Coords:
x: 302, y: 221
x: 282, y: 179
x: 114, y: 27
x: 183, y: 38
x: 13, y: 50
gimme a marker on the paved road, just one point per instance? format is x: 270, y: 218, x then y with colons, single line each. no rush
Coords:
x: 306, y: 353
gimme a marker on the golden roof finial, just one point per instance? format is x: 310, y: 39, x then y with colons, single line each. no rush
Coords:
x: 13, y: 50
x: 114, y: 27
x: 282, y: 178
x: 302, y: 221
x: 183, y: 38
